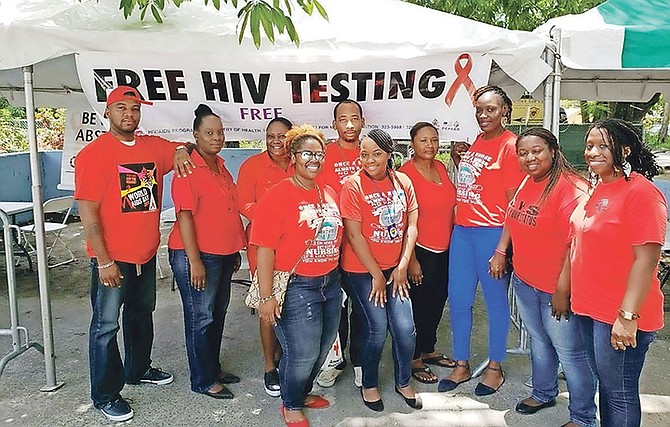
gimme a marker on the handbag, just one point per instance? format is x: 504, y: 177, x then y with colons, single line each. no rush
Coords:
x: 280, y: 278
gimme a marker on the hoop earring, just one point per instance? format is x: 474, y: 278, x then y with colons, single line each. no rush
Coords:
x: 504, y: 121
x: 627, y: 168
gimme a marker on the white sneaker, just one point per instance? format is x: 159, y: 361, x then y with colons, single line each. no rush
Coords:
x: 358, y: 376
x: 327, y: 377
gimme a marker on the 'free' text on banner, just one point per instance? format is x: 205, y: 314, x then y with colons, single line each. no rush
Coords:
x: 248, y: 91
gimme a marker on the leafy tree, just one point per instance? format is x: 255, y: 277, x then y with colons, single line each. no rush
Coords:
x: 512, y: 14
x: 272, y: 15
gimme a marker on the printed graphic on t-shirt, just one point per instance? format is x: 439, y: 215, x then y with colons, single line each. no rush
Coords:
x: 325, y: 247
x: 388, y: 207
x: 139, y: 188
x: 469, y: 169
x: 523, y: 213
x: 346, y: 168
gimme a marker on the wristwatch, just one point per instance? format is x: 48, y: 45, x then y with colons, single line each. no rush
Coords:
x: 628, y: 315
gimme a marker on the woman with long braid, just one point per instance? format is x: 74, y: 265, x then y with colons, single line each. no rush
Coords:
x: 616, y: 294
x: 538, y: 225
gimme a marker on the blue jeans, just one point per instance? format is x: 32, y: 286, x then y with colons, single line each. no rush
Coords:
x: 396, y: 317
x: 618, y: 372
x: 469, y: 254
x: 552, y: 342
x: 137, y: 294
x: 204, y: 313
x: 306, y: 331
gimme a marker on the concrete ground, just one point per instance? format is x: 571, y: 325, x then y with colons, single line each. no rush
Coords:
x: 22, y: 404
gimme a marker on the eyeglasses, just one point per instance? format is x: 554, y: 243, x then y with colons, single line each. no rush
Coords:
x: 307, y: 155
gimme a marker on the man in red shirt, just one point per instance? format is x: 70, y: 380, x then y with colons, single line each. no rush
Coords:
x: 118, y: 180
x: 342, y: 160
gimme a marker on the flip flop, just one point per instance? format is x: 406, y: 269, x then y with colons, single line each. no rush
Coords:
x: 438, y: 361
x: 425, y: 369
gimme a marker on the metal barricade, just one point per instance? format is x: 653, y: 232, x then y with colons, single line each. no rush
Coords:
x: 20, y: 344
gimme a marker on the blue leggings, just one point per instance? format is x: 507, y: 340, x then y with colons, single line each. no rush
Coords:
x: 469, y: 254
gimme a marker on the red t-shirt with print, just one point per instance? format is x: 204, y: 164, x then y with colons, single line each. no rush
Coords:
x: 540, y: 230
x: 286, y: 220
x: 436, y: 206
x: 618, y: 215
x: 127, y: 183
x: 212, y: 199
x: 338, y: 164
x: 381, y: 207
x: 487, y: 170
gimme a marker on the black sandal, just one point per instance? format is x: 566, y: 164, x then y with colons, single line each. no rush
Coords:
x: 425, y: 369
x: 486, y: 390
x: 447, y: 384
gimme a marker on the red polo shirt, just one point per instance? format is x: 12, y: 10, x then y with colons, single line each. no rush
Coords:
x: 256, y: 175
x: 212, y: 199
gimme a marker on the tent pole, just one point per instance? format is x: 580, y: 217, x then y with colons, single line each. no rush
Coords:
x: 38, y: 214
x: 550, y: 59
x: 555, y: 35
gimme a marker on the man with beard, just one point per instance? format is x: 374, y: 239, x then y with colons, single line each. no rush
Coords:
x: 342, y: 160
x: 118, y: 183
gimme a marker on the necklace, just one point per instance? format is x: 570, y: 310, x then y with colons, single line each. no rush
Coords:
x: 297, y: 182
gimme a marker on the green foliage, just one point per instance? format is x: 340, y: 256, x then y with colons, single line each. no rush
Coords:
x: 512, y: 14
x: 14, y: 129
x: 271, y: 16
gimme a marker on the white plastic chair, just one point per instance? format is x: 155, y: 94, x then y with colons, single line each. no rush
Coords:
x: 55, y: 205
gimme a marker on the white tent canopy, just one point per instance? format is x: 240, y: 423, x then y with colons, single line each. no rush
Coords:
x: 618, y: 51
x: 46, y: 34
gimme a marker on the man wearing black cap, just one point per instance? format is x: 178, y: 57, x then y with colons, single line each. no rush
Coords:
x: 118, y: 180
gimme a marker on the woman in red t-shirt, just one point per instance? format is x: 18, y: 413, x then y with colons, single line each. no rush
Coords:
x: 204, y: 247
x: 428, y: 267
x: 256, y: 175
x: 538, y: 224
x: 380, y: 215
x: 616, y: 294
x: 488, y: 176
x: 298, y: 228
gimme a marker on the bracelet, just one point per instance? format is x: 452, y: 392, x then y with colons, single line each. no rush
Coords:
x: 103, y: 266
x: 628, y: 315
x: 180, y: 147
x: 264, y: 300
x: 500, y: 251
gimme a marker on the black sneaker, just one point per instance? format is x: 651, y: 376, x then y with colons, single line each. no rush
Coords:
x: 156, y: 376
x: 117, y: 410
x: 271, y: 383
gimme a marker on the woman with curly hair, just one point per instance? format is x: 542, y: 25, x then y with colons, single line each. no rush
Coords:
x: 616, y: 294
x: 298, y: 229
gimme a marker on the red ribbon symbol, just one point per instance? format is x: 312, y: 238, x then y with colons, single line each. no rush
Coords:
x: 462, y: 78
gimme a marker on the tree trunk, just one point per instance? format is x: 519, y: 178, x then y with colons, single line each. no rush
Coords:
x: 663, y: 132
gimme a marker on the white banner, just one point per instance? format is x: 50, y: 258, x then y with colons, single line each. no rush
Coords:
x: 247, y: 91
x: 82, y: 126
